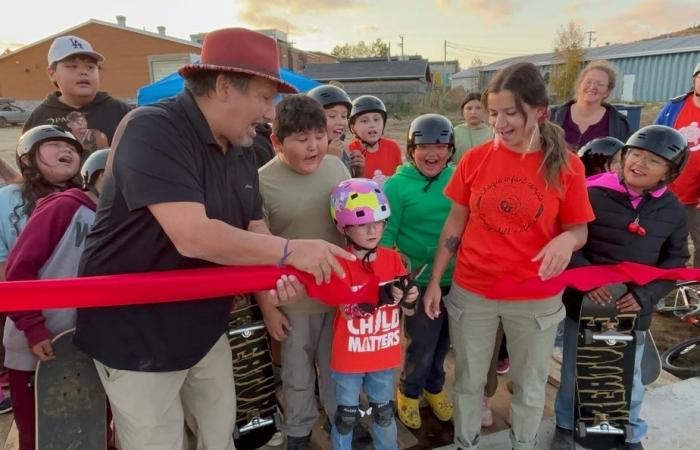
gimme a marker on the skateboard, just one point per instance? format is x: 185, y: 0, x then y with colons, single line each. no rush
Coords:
x: 256, y: 404
x: 651, y: 361
x: 604, y: 369
x: 71, y: 404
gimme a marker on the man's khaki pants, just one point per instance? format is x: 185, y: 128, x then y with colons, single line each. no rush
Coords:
x: 150, y: 408
x: 530, y: 326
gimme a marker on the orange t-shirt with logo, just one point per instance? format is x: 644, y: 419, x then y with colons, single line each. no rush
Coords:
x: 687, y: 185
x: 381, y: 164
x: 371, y: 343
x: 512, y: 213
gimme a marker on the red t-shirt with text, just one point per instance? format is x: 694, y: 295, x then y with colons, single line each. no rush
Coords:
x: 381, y: 164
x: 512, y: 213
x: 687, y: 185
x: 371, y: 343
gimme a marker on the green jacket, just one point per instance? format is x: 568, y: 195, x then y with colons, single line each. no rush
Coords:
x: 417, y: 217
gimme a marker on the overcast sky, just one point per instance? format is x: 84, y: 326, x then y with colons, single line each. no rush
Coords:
x: 489, y: 29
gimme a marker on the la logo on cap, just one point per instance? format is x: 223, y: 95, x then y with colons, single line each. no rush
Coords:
x: 76, y: 43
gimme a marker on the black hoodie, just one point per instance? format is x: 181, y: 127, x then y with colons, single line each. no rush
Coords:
x: 103, y: 113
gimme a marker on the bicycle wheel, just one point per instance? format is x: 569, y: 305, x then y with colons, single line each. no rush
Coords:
x: 684, y: 298
x: 683, y: 360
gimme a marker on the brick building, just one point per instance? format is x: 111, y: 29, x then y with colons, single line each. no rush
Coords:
x: 133, y: 58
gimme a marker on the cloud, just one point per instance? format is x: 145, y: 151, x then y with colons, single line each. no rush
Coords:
x: 492, y: 11
x: 651, y: 18
x: 275, y: 13
x: 367, y: 28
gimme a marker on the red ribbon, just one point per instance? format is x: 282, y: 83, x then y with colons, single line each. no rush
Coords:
x: 184, y: 285
x: 170, y: 286
x: 588, y: 278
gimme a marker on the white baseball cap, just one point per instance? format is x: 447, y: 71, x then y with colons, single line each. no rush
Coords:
x: 697, y: 70
x: 65, y: 46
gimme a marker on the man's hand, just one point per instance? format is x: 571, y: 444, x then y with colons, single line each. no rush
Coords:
x: 288, y: 290
x: 317, y: 257
x: 276, y: 323
x: 43, y: 350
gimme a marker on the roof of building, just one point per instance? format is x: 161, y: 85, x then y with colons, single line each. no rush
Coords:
x: 106, y: 24
x: 649, y: 47
x: 369, y: 69
x: 468, y: 73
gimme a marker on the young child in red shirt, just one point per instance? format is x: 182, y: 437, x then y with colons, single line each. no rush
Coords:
x: 367, y: 122
x: 367, y: 342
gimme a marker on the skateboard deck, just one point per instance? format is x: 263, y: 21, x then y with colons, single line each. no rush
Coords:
x: 256, y: 404
x: 651, y: 361
x: 71, y: 404
x: 604, y: 368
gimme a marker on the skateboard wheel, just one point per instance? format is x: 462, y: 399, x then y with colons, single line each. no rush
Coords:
x: 236, y: 433
x: 588, y: 337
x: 628, y: 431
x: 581, y: 429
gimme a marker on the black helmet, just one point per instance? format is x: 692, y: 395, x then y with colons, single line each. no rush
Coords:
x: 34, y: 137
x: 430, y: 129
x: 662, y: 141
x: 328, y: 95
x: 365, y: 104
x: 93, y: 166
x: 597, y: 153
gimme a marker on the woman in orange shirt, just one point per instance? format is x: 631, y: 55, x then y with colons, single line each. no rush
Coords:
x: 519, y: 210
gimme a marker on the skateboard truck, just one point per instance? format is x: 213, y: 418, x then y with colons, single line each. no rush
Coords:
x: 601, y: 426
x: 256, y: 423
x: 246, y: 332
x: 609, y: 335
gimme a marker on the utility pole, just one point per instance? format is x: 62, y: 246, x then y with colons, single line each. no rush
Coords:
x: 444, y: 62
x: 590, y: 38
x: 401, y: 36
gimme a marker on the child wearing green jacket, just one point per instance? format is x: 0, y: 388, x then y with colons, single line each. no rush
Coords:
x: 419, y: 209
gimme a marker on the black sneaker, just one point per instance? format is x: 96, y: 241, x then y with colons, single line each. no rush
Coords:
x: 5, y: 405
x: 563, y: 439
x: 299, y: 443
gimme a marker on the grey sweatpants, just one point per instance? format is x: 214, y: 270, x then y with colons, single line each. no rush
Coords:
x: 306, y: 355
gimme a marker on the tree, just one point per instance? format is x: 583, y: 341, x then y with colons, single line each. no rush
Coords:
x: 476, y: 62
x: 568, y: 59
x: 361, y: 49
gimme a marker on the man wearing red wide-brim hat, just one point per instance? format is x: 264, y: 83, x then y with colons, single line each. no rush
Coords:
x: 181, y: 192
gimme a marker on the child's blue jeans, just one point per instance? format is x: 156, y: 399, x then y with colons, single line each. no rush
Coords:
x: 379, y: 388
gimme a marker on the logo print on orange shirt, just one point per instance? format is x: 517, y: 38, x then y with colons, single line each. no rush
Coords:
x: 509, y: 205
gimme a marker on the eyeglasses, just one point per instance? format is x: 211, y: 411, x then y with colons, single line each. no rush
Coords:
x: 598, y: 84
x: 650, y: 161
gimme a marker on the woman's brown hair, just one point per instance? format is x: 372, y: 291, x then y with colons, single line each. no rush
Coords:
x: 525, y: 82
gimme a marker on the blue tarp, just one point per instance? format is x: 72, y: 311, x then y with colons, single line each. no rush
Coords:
x: 171, y: 85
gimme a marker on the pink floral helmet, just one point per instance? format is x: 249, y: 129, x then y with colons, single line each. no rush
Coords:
x: 358, y: 201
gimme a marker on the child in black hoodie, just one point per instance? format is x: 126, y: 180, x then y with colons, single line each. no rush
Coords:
x: 637, y: 220
x: 74, y: 70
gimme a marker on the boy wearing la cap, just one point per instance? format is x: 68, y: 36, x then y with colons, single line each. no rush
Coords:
x: 74, y: 70
x: 180, y: 192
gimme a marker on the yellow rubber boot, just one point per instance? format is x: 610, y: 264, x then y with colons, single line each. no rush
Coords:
x: 441, y: 406
x: 408, y: 411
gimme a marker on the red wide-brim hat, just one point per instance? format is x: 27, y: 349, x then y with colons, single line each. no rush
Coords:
x: 240, y: 50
